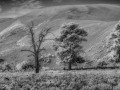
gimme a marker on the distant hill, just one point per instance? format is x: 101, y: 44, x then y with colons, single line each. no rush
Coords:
x: 98, y: 20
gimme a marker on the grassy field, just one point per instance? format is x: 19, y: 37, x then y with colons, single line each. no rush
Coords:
x: 62, y: 80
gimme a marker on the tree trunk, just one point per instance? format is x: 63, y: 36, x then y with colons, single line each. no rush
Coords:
x: 69, y: 66
x: 36, y: 64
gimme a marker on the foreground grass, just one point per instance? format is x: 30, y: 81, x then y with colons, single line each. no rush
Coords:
x: 61, y: 80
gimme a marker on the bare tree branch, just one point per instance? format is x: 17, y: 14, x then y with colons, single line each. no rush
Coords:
x: 31, y: 55
x: 41, y: 37
x: 32, y: 37
x: 28, y: 51
x: 49, y: 39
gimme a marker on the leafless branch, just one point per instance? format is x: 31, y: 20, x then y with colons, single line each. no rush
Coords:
x: 31, y: 55
x: 32, y: 36
x: 28, y: 51
x: 49, y: 39
x: 41, y: 37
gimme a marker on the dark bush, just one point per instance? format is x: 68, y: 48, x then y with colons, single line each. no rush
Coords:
x: 2, y: 60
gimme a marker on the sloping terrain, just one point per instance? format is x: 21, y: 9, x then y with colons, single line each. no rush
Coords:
x: 98, y: 21
x: 106, y: 51
x: 99, y: 50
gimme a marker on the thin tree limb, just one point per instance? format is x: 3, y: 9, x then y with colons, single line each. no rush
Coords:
x: 32, y: 37
x: 28, y: 51
x: 42, y: 36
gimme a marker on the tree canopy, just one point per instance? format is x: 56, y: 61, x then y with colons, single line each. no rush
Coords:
x: 68, y: 44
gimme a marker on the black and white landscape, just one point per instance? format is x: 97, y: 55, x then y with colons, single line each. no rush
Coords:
x: 59, y: 45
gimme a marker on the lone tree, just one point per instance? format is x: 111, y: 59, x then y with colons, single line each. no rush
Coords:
x: 36, y: 44
x: 68, y: 44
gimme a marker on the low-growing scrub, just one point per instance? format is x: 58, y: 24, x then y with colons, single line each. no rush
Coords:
x: 7, y: 67
x: 61, y: 81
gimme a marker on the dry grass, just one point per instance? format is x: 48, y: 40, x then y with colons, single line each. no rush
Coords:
x: 61, y: 80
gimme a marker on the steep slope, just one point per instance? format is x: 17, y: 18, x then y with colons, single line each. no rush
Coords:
x: 102, y: 52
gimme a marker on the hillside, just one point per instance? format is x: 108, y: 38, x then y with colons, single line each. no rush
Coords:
x: 98, y: 21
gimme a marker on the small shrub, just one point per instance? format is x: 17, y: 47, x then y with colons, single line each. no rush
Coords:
x: 28, y: 67
x: 117, y: 87
x: 25, y: 65
x: 7, y: 67
x: 113, y: 81
x: 2, y: 60
x: 3, y: 87
x: 26, y: 87
x: 102, y: 64
x: 101, y: 87
x: 85, y: 88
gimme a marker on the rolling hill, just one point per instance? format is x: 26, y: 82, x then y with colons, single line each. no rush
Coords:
x: 97, y: 19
